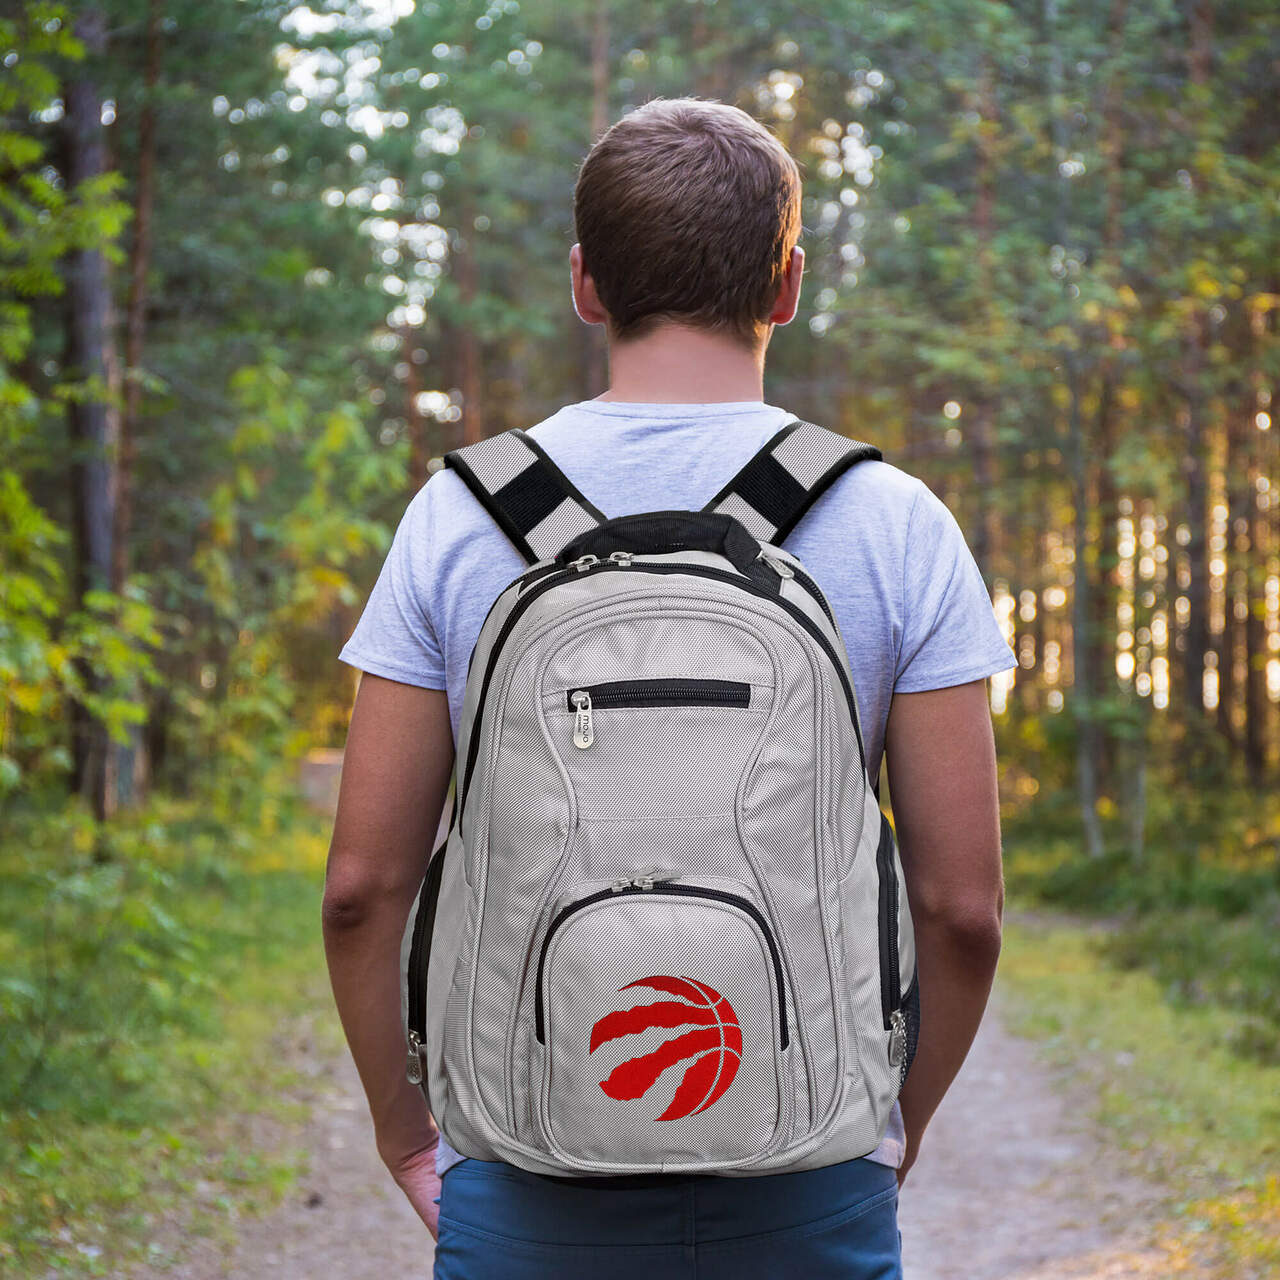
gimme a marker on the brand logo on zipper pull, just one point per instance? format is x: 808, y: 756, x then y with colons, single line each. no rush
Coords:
x: 715, y: 1046
x: 583, y: 732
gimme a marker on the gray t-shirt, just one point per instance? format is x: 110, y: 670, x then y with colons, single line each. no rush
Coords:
x: 888, y: 555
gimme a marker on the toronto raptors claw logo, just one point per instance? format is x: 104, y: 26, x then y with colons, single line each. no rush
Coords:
x: 715, y: 1047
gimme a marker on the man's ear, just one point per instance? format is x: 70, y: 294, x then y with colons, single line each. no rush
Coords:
x: 784, y: 309
x: 586, y: 302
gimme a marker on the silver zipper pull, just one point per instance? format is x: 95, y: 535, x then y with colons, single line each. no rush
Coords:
x: 413, y: 1067
x: 779, y: 566
x: 644, y: 883
x: 584, y: 562
x: 584, y: 733
x: 622, y: 558
x: 897, y: 1038
x: 620, y: 886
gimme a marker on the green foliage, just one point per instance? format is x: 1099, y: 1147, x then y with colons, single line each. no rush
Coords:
x: 50, y: 654
x: 1198, y: 908
x: 1058, y: 224
x: 1199, y: 957
x: 274, y: 562
x: 141, y: 1007
x: 97, y: 970
x: 54, y: 649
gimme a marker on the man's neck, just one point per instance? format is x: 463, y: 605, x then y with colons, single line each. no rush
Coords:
x: 678, y: 364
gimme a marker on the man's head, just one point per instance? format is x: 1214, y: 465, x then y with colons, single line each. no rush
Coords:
x: 688, y: 211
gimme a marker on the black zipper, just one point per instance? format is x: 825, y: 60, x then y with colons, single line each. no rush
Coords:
x: 697, y: 571
x: 669, y: 890
x: 530, y: 576
x: 813, y: 589
x: 890, y: 979
x: 423, y: 927
x: 663, y: 693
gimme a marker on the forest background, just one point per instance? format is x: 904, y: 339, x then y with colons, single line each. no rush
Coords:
x: 261, y: 264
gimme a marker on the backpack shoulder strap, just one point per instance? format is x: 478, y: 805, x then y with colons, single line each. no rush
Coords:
x: 786, y: 477
x: 528, y: 496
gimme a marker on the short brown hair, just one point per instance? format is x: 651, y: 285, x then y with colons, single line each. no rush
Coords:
x: 687, y: 210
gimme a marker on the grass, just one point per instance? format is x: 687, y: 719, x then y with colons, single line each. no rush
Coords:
x: 153, y: 1007
x: 1199, y: 1116
x: 157, y: 1009
x: 1165, y: 993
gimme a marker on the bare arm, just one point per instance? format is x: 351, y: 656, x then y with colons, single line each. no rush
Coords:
x: 942, y: 770
x: 394, y: 779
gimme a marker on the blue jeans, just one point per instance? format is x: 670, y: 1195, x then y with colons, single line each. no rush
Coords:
x: 498, y: 1222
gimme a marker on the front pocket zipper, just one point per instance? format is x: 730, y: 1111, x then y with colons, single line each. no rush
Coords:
x: 645, y: 884
x: 589, y: 698
x: 662, y: 693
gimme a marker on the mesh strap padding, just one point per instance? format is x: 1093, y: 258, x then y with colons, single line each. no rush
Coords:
x: 525, y: 492
x: 774, y: 490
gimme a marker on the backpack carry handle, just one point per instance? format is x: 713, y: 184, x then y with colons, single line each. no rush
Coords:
x: 663, y: 532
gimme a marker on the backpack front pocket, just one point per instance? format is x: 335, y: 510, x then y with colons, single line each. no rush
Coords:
x: 669, y: 746
x: 661, y: 1011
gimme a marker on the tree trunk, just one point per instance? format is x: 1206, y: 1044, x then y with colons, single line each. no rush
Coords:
x: 1236, y: 555
x: 470, y: 355
x: 415, y: 420
x: 1256, y: 705
x: 1196, y: 636
x: 1083, y: 704
x: 1106, y: 567
x: 595, y: 356
x: 600, y: 70
x: 1104, y: 570
x: 1031, y: 690
x: 1138, y: 800
x: 136, y: 304
x: 133, y: 772
x: 92, y: 422
x: 1084, y: 688
x: 1112, y: 131
x: 981, y: 435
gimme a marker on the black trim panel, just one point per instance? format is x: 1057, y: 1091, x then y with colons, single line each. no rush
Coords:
x: 455, y: 462
x: 528, y: 498
x: 770, y: 489
x: 890, y: 979
x: 570, y: 489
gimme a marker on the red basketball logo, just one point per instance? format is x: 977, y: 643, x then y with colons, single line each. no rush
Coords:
x: 715, y: 1047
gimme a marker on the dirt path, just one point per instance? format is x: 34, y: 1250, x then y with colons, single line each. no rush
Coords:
x: 343, y: 1220
x: 1014, y: 1181
x: 1013, y: 1185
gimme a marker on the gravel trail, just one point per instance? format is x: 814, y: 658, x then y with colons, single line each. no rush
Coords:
x: 1014, y: 1184
x: 1015, y: 1181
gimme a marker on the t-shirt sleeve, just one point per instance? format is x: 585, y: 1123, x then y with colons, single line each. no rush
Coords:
x: 949, y: 634
x: 395, y: 637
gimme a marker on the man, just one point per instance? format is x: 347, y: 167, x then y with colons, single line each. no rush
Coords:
x: 687, y: 215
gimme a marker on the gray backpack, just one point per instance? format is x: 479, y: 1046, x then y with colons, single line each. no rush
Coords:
x: 668, y: 931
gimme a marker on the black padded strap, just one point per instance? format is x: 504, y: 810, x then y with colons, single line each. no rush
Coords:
x: 531, y: 499
x: 786, y: 477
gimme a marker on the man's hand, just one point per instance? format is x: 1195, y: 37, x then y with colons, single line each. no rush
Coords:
x: 394, y: 779
x: 416, y: 1176
x: 942, y: 773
